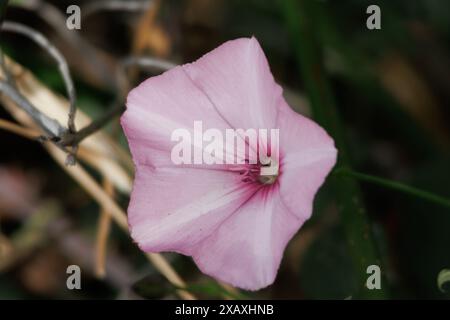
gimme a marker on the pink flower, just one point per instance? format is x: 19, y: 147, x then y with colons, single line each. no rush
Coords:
x: 233, y: 220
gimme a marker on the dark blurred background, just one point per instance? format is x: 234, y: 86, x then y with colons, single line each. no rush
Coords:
x: 392, y: 93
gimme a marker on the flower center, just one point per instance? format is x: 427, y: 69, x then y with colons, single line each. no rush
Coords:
x: 259, y: 173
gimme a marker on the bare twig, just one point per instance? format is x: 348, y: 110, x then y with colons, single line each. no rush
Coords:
x: 114, y: 5
x: 98, y: 150
x: 103, y: 229
x: 45, y: 44
x: 70, y: 139
x: 19, y: 130
x: 49, y: 125
x: 147, y: 62
x: 54, y: 131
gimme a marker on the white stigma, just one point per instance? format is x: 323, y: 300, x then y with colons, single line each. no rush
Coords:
x: 268, y: 173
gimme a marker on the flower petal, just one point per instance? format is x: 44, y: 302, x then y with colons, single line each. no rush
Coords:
x: 157, y: 107
x: 172, y: 209
x: 237, y: 80
x: 308, y: 155
x: 247, y: 248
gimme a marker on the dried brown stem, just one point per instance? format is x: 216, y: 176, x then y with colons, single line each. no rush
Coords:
x: 19, y: 130
x: 104, y: 227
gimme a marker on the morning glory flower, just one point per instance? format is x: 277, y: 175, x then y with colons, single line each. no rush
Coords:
x: 236, y: 205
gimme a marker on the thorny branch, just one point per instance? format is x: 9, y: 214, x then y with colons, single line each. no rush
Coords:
x: 51, y: 127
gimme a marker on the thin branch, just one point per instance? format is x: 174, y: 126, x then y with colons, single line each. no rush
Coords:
x: 19, y: 130
x: 99, y: 151
x: 69, y: 139
x: 45, y: 44
x: 147, y: 62
x: 103, y: 230
x: 49, y: 125
x: 114, y: 5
